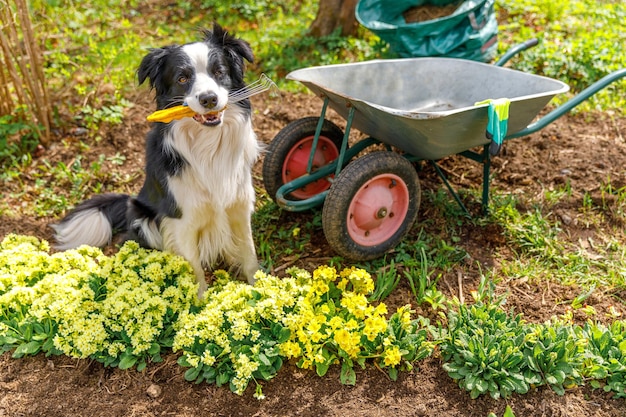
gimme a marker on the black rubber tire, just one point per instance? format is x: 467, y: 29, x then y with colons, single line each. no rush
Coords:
x: 363, y: 171
x: 283, y: 143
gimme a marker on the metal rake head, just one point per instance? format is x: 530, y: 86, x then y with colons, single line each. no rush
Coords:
x: 261, y: 85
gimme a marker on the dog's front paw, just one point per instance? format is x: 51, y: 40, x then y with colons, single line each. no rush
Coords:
x: 250, y: 271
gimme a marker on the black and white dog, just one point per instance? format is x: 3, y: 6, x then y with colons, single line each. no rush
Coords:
x: 198, y: 197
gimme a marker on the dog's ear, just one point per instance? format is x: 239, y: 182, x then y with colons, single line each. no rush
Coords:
x: 151, y: 65
x: 237, y: 46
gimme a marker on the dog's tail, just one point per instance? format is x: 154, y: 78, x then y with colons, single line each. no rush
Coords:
x: 93, y: 222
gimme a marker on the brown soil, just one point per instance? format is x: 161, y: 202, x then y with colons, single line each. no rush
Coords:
x: 581, y: 150
x: 428, y: 12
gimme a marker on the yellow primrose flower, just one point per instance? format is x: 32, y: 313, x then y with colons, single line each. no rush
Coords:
x: 380, y: 310
x: 193, y: 360
x: 404, y: 313
x: 316, y: 337
x: 320, y: 287
x: 392, y: 356
x: 360, y: 279
x: 351, y: 325
x: 343, y: 284
x: 319, y: 357
x: 348, y: 341
x: 240, y: 328
x: 374, y: 326
x: 356, y: 304
x: 290, y: 349
x: 336, y: 322
x: 325, y: 273
x: 306, y: 364
x: 244, y: 366
x: 207, y: 358
x: 154, y: 271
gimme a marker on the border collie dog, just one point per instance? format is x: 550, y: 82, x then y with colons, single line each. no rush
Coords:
x: 197, y: 199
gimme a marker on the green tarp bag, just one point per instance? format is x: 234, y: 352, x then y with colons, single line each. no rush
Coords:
x: 470, y: 32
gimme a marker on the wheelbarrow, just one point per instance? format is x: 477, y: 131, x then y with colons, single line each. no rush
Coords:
x: 419, y: 109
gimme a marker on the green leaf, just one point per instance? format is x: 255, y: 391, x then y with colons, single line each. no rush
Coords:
x: 284, y: 335
x: 519, y: 383
x: 182, y: 361
x: 361, y: 362
x: 127, y: 360
x: 192, y: 373
x: 322, y: 368
x: 393, y: 374
x: 265, y: 374
x: 154, y: 349
x: 558, y: 388
x: 264, y: 360
x: 29, y: 348
x: 209, y: 373
x: 470, y: 382
x: 48, y: 346
x: 347, y: 376
x: 8, y: 340
x: 508, y: 412
x: 482, y: 385
x: 222, y: 379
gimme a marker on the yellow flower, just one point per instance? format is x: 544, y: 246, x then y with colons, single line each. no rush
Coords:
x: 325, y: 273
x: 374, y: 326
x: 360, y: 279
x: 380, y: 310
x: 351, y: 325
x: 404, y: 313
x: 336, y: 322
x: 348, y: 341
x: 290, y: 349
x: 320, y: 287
x: 392, y: 356
x: 356, y: 304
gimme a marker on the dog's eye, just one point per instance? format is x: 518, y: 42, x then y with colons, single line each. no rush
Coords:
x: 218, y: 73
x: 182, y: 79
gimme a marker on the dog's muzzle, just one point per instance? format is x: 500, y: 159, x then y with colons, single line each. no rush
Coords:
x: 212, y: 118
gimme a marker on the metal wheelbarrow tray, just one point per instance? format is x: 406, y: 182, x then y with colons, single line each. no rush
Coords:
x: 425, y: 106
x: 426, y: 109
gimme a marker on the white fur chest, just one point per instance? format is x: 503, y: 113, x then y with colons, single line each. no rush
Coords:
x: 218, y: 162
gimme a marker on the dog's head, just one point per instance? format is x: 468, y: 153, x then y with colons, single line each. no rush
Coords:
x: 200, y: 74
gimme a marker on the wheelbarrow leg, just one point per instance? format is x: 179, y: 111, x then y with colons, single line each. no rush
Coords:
x: 316, y: 138
x: 486, y: 171
x: 344, y: 144
x: 485, y: 159
x: 450, y: 189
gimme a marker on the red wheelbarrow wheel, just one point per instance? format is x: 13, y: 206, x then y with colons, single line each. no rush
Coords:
x: 287, y: 156
x: 371, y: 205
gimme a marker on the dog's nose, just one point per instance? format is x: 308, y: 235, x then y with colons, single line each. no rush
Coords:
x: 208, y: 100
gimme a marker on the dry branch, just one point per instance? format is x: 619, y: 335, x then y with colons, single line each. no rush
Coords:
x: 23, y: 92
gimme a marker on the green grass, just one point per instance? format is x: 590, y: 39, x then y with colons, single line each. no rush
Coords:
x: 544, y: 253
x: 580, y: 42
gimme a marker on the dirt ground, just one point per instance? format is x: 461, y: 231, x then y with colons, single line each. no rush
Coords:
x: 584, y: 150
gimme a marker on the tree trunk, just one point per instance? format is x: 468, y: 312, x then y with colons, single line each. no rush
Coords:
x: 333, y: 14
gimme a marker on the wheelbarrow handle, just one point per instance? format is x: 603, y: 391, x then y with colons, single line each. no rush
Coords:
x: 516, y: 49
x: 570, y: 104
